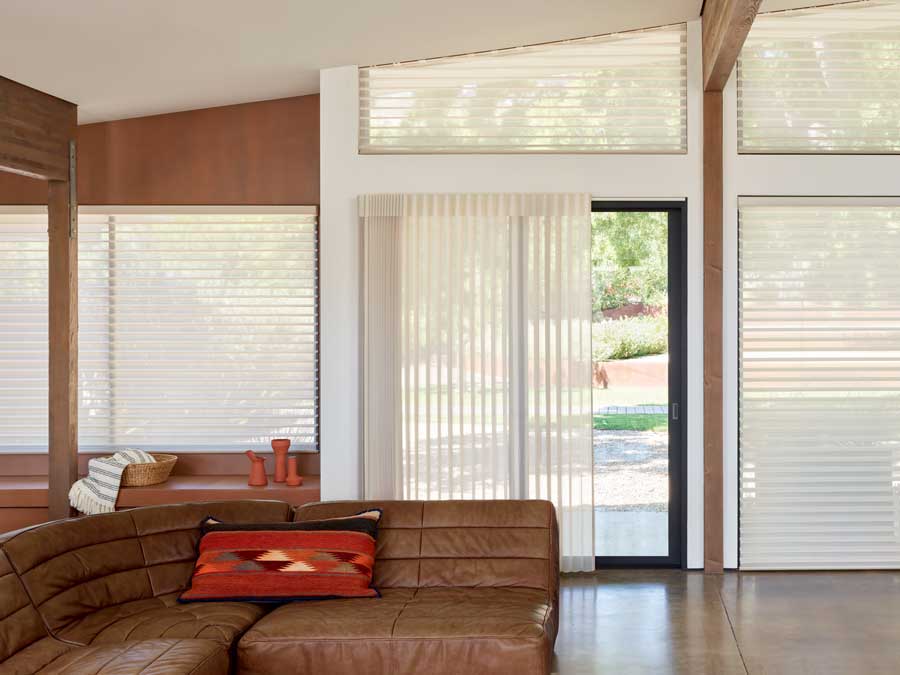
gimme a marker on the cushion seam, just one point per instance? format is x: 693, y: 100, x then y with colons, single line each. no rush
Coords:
x: 80, y: 657
x: 159, y: 656
x: 303, y: 638
x: 44, y: 622
x: 400, y: 613
x: 421, y: 538
x: 68, y: 626
x: 88, y: 581
x: 143, y: 621
x: 205, y: 661
x: 74, y: 549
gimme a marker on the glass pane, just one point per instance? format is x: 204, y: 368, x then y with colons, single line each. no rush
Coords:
x: 630, y: 340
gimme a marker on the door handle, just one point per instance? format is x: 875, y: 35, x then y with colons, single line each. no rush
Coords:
x: 674, y: 412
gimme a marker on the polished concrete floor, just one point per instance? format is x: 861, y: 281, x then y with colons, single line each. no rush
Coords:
x: 660, y: 621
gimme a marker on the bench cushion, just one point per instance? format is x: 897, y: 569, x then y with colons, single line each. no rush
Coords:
x: 434, y: 630
x: 164, y: 617
x: 154, y: 657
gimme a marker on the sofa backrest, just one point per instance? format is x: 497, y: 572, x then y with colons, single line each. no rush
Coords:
x: 74, y: 567
x: 20, y: 624
x: 495, y: 543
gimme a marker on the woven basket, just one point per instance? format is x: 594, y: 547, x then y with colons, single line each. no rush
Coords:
x: 139, y: 475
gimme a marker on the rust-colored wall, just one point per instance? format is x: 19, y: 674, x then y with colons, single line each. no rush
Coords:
x: 15, y: 189
x: 253, y: 153
x: 248, y: 154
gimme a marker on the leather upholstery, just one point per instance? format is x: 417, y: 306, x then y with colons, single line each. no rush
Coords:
x: 433, y: 630
x: 468, y: 586
x: 459, y: 543
x: 20, y: 624
x: 105, y: 579
x: 25, y: 646
x: 164, y: 617
x: 88, y: 576
x: 149, y: 657
x: 73, y: 568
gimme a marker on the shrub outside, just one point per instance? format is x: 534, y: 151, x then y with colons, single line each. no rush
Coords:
x: 630, y: 337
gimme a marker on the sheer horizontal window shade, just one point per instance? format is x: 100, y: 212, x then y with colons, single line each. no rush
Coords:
x: 819, y: 384
x: 622, y: 93
x: 198, y: 328
x: 24, y: 363
x: 823, y: 80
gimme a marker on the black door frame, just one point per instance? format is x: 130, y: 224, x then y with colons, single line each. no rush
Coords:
x: 677, y: 252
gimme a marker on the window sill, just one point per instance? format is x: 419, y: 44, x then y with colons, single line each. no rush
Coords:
x: 31, y: 491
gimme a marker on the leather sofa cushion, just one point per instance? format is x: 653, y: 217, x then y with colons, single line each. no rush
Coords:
x: 169, y: 535
x: 20, y: 624
x: 440, y: 630
x: 25, y: 646
x: 73, y: 568
x: 35, y: 656
x: 156, y: 657
x: 459, y: 543
x: 164, y: 617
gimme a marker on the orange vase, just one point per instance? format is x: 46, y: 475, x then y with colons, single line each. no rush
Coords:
x: 293, y: 478
x: 257, y: 470
x: 280, y: 447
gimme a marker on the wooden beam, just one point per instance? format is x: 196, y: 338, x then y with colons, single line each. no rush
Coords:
x: 37, y: 139
x: 725, y: 27
x: 713, y: 402
x: 726, y: 24
x: 35, y: 129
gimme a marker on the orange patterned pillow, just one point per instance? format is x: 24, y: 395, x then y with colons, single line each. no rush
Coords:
x: 279, y: 562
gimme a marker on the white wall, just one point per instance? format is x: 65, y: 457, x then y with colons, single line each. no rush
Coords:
x: 346, y: 174
x: 776, y: 175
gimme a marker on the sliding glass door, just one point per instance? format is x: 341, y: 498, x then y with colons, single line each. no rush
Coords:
x: 638, y: 325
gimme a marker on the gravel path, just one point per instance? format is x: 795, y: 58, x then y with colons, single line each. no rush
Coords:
x: 631, y: 470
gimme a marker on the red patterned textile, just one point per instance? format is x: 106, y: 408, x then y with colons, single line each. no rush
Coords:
x: 286, y: 562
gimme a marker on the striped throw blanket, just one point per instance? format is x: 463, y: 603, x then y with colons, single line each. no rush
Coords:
x: 97, y: 492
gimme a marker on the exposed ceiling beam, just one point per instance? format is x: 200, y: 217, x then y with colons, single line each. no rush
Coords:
x: 725, y: 27
x: 35, y: 129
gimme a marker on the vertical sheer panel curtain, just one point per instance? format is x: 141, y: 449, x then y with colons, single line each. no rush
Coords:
x: 476, y: 344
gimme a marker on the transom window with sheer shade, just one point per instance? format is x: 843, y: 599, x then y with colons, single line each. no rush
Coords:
x: 615, y: 93
x: 197, y: 328
x: 822, y: 80
x: 819, y: 400
x: 24, y: 357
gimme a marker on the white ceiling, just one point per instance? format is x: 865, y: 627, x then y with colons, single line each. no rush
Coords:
x: 126, y: 58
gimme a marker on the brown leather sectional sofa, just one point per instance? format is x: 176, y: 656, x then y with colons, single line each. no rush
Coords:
x: 468, y: 587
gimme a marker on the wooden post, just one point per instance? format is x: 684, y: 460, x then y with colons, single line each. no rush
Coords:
x: 62, y: 216
x: 37, y: 136
x: 713, y: 437
x: 726, y: 24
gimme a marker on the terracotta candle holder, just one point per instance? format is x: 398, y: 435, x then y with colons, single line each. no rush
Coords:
x: 257, y: 476
x: 293, y: 478
x: 280, y: 447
